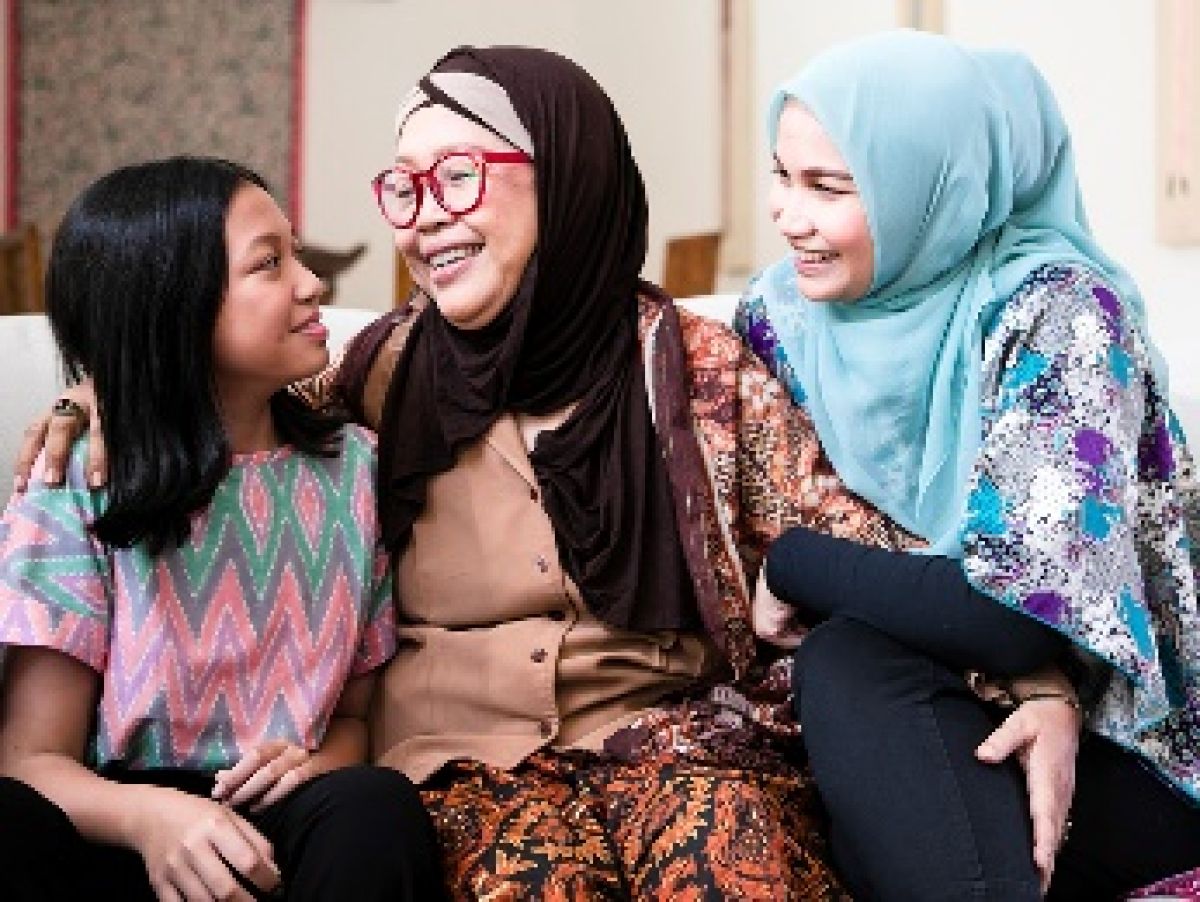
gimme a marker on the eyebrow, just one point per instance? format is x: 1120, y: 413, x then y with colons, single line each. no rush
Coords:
x: 268, y: 238
x: 461, y: 146
x: 820, y: 172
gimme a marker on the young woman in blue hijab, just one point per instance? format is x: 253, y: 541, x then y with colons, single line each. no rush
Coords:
x: 980, y: 370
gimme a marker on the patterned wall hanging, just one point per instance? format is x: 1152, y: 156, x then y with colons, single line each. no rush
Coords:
x: 95, y: 84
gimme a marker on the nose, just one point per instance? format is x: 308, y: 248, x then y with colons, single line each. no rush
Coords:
x: 311, y: 287
x: 792, y: 216
x: 430, y: 216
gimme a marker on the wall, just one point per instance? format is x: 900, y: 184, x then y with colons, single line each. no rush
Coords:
x: 1104, y: 76
x: 787, y: 33
x: 364, y: 56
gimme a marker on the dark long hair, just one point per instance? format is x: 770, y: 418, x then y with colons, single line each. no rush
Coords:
x: 136, y: 276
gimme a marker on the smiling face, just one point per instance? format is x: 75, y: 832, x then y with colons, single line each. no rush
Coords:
x: 268, y: 331
x: 470, y: 265
x: 816, y: 207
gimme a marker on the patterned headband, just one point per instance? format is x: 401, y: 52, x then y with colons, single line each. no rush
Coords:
x: 473, y: 97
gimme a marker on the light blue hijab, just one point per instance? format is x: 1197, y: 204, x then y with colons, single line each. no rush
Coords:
x: 964, y: 166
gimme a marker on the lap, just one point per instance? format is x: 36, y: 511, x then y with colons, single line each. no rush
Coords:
x: 892, y: 737
x: 333, y: 830
x: 666, y: 826
x: 44, y: 858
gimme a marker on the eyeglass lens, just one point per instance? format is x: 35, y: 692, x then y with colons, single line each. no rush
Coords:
x: 455, y: 181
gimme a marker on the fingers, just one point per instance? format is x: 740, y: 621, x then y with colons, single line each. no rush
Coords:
x: 1045, y: 738
x: 1012, y: 735
x: 248, y: 852
x: 97, y: 460
x: 1045, y: 824
x: 297, y: 776
x: 201, y: 868
x: 774, y: 621
x: 186, y: 882
x: 54, y: 434
x: 207, y: 873
x: 31, y: 446
x: 1050, y: 774
x: 165, y: 892
x: 60, y: 436
x: 228, y: 781
x: 266, y: 767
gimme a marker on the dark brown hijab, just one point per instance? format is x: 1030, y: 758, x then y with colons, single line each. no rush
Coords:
x: 569, y: 334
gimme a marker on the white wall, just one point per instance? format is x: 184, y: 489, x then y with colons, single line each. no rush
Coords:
x: 1099, y: 58
x: 657, y: 60
x: 787, y: 34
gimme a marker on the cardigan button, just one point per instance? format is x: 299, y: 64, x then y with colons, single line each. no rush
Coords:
x: 538, y: 655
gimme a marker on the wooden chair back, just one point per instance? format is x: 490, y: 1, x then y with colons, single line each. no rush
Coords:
x: 21, y: 289
x: 690, y: 265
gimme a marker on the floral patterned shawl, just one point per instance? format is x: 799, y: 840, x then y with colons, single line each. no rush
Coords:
x: 1083, y: 508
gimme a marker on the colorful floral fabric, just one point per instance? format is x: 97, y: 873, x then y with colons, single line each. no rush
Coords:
x: 1082, y: 506
x: 246, y: 632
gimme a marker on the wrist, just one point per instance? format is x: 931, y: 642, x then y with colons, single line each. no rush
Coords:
x: 345, y: 744
x: 136, y: 818
x: 1044, y: 685
x: 1043, y: 695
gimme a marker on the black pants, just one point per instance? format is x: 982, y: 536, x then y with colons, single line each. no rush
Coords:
x: 357, y: 833
x: 891, y: 730
x: 891, y: 735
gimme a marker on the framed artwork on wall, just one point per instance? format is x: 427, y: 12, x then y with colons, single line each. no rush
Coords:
x: 92, y: 86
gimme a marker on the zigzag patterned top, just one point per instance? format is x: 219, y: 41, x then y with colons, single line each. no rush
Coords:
x: 246, y: 632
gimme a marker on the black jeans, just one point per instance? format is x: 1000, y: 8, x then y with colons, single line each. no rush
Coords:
x: 891, y: 735
x: 891, y: 730
x: 357, y: 833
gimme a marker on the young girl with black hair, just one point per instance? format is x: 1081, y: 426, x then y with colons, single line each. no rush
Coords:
x: 191, y: 651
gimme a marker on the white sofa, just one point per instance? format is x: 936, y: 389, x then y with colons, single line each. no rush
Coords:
x: 31, y: 373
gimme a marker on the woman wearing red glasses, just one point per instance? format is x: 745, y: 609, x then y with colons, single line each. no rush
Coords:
x: 568, y: 567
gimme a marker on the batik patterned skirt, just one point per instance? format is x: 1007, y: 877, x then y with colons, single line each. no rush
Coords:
x: 692, y: 807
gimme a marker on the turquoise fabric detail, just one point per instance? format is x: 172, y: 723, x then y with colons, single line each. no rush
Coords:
x: 1097, y: 517
x: 1028, y: 368
x: 985, y: 510
x: 1120, y: 364
x: 1134, y: 615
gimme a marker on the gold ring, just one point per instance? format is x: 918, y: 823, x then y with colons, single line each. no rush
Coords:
x: 65, y: 407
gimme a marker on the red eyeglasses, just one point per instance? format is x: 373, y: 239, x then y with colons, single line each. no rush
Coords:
x: 457, y: 181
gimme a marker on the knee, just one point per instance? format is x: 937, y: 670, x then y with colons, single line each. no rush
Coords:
x: 828, y: 658
x: 21, y: 804
x: 846, y: 671
x: 370, y: 836
x: 377, y: 802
